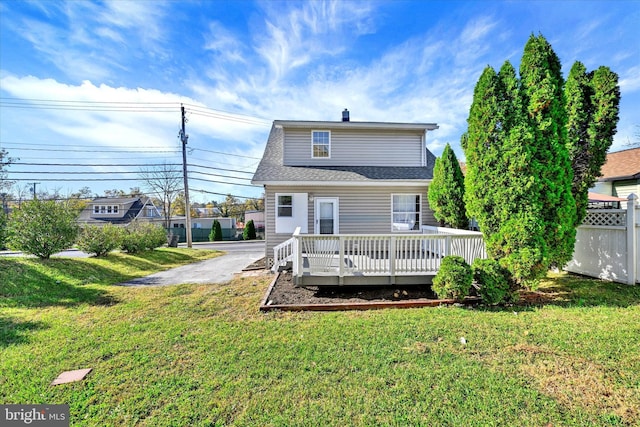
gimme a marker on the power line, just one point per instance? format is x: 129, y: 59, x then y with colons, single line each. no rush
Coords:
x: 95, y: 164
x: 76, y: 179
x: 123, y: 151
x: 222, y: 182
x: 222, y: 169
x: 227, y: 154
x: 67, y: 101
x: 192, y: 106
x: 112, y: 173
x: 226, y: 194
x: 219, y: 175
x: 128, y: 106
x: 97, y: 151
x: 42, y: 144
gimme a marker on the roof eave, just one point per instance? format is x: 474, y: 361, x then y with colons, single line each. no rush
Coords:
x: 619, y: 178
x: 368, y: 183
x: 354, y: 125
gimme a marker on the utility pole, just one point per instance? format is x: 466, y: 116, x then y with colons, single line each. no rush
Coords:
x: 187, y: 209
x: 33, y: 190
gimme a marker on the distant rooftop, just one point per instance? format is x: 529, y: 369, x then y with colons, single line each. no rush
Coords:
x: 621, y: 165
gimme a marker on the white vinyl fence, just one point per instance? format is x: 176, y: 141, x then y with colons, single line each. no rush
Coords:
x: 608, y: 244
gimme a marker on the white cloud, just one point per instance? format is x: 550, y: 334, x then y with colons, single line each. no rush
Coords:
x: 85, y: 40
x: 630, y: 80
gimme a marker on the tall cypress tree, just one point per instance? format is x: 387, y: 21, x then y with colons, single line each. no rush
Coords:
x: 534, y: 146
x: 446, y: 192
x: 579, y: 109
x: 481, y: 147
x: 542, y: 93
x: 592, y: 104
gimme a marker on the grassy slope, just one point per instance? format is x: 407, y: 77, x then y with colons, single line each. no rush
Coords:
x: 203, y: 355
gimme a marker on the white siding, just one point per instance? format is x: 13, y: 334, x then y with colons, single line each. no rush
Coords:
x: 382, y: 148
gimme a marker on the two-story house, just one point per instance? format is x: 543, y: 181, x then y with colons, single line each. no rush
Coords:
x: 345, y: 177
x: 120, y: 211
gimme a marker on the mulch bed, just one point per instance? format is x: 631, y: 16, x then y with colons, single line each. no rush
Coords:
x: 283, y: 295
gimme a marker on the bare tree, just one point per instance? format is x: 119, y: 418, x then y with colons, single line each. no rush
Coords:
x: 5, y: 161
x: 164, y: 181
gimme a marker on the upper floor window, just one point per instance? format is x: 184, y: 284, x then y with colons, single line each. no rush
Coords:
x: 406, y: 210
x: 105, y: 209
x: 320, y: 144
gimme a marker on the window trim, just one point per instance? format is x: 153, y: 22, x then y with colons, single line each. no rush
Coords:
x: 278, y: 205
x: 419, y: 221
x: 313, y: 144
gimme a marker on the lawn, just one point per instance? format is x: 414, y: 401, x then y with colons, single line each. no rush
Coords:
x: 204, y: 355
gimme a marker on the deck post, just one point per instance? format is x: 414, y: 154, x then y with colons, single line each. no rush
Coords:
x: 447, y: 246
x: 297, y: 248
x: 392, y: 260
x: 341, y: 260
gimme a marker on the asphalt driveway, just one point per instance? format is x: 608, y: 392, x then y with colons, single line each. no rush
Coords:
x: 215, y: 270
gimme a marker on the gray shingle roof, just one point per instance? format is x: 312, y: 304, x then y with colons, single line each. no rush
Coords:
x: 272, y: 170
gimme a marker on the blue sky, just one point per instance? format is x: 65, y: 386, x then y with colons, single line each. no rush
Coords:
x: 101, y: 83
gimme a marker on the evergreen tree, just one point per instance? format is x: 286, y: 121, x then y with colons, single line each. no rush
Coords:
x: 518, y: 183
x: 480, y: 147
x: 542, y: 91
x: 578, y: 93
x: 216, y: 232
x: 592, y: 101
x: 249, y: 232
x: 446, y: 192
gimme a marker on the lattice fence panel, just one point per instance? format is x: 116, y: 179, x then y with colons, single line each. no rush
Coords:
x: 606, y: 218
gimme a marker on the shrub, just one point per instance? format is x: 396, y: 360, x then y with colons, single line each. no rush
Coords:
x: 216, y: 232
x: 155, y: 236
x: 249, y: 232
x: 493, y: 280
x: 100, y: 240
x: 454, y: 278
x: 141, y: 236
x: 42, y: 228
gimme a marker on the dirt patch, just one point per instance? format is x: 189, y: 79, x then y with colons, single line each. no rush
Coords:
x: 256, y: 265
x: 284, y: 292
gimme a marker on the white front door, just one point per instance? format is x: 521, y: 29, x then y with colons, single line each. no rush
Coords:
x: 326, y: 215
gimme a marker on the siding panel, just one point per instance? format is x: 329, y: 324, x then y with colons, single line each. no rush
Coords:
x: 362, y: 210
x: 382, y: 148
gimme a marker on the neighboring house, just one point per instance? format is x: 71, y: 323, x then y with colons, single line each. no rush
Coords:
x: 120, y: 211
x: 345, y: 177
x: 620, y: 174
x: 207, y: 212
x: 257, y: 217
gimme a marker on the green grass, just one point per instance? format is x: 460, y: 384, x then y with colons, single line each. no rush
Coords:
x: 204, y: 355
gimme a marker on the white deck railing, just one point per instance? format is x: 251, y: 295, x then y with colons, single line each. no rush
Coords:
x: 285, y: 252
x: 383, y: 255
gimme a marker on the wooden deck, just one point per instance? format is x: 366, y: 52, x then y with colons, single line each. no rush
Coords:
x: 393, y: 259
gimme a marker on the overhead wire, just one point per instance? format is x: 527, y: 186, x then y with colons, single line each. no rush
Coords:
x: 128, y: 106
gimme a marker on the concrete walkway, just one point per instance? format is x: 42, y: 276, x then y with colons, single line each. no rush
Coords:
x: 215, y: 270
